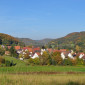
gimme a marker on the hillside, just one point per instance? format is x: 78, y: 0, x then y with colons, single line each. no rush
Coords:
x: 6, y: 39
x: 28, y: 41
x: 74, y: 41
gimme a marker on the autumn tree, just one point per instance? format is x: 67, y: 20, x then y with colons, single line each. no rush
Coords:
x: 44, y: 59
x: 56, y: 58
x: 78, y: 48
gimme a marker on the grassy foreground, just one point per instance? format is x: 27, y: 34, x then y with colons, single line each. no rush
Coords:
x: 20, y: 74
x: 22, y: 67
x: 35, y: 79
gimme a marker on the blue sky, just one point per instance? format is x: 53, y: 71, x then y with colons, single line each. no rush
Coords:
x: 38, y: 19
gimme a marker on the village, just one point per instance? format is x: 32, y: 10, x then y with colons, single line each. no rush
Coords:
x: 36, y: 52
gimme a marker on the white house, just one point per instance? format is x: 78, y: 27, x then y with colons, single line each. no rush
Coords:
x: 42, y: 50
x: 35, y: 56
x: 70, y: 56
x: 62, y: 56
x: 81, y: 55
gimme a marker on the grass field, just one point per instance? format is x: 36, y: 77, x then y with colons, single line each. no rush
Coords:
x: 35, y: 79
x: 22, y: 67
x: 22, y: 74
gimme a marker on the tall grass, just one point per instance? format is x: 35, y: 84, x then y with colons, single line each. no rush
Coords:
x: 64, y: 79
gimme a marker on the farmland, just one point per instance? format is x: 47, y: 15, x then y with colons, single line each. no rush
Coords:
x: 23, y: 74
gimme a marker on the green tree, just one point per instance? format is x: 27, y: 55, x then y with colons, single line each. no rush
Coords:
x: 44, y: 58
x: 2, y: 51
x: 13, y: 52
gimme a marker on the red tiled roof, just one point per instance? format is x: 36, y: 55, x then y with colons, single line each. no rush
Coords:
x: 29, y: 49
x: 38, y: 53
x: 62, y: 50
x: 9, y: 47
x: 17, y: 47
x: 36, y: 49
x: 50, y: 50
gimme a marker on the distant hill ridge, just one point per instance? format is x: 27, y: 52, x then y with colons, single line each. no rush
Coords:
x: 29, y: 41
x: 70, y: 41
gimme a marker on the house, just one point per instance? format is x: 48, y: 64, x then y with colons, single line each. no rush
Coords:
x: 21, y: 59
x: 7, y: 53
x: 65, y: 55
x: 27, y: 49
x: 50, y: 50
x: 36, y: 50
x: 70, y: 56
x: 81, y: 55
x: 17, y: 47
x: 36, y: 55
x: 9, y: 47
x: 42, y: 51
x: 62, y: 50
x: 19, y: 51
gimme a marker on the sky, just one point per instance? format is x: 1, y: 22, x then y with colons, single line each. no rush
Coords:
x: 39, y: 19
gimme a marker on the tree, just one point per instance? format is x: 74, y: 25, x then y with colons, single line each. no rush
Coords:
x: 2, y: 60
x: 13, y: 52
x: 44, y: 58
x: 56, y: 58
x: 78, y: 48
x: 26, y: 55
x: 2, y: 51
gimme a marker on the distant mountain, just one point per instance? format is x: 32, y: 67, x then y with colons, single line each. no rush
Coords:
x: 29, y: 41
x: 75, y: 40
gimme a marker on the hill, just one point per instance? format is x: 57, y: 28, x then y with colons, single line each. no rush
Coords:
x: 6, y: 39
x: 74, y: 41
x: 29, y: 41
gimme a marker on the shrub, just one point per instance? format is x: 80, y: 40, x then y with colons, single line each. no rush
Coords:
x: 74, y: 61
x: 36, y: 61
x: 7, y: 63
x: 80, y: 61
x: 67, y: 62
x: 2, y: 60
x: 30, y: 61
x: 2, y: 51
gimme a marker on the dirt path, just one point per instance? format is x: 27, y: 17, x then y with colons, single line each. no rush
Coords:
x: 27, y: 73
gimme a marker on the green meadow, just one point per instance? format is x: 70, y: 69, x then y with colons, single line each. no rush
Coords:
x: 21, y: 66
x: 23, y: 74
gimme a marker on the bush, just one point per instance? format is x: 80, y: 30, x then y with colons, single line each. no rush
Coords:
x: 2, y: 51
x: 80, y: 61
x: 2, y: 60
x: 35, y: 61
x: 67, y: 62
x: 7, y: 63
x: 30, y: 61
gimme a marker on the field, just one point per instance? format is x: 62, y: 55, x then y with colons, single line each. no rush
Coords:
x: 34, y: 79
x: 22, y: 74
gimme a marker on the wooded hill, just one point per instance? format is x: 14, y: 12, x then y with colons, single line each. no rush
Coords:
x: 29, y: 41
x: 75, y: 41
x: 6, y: 39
